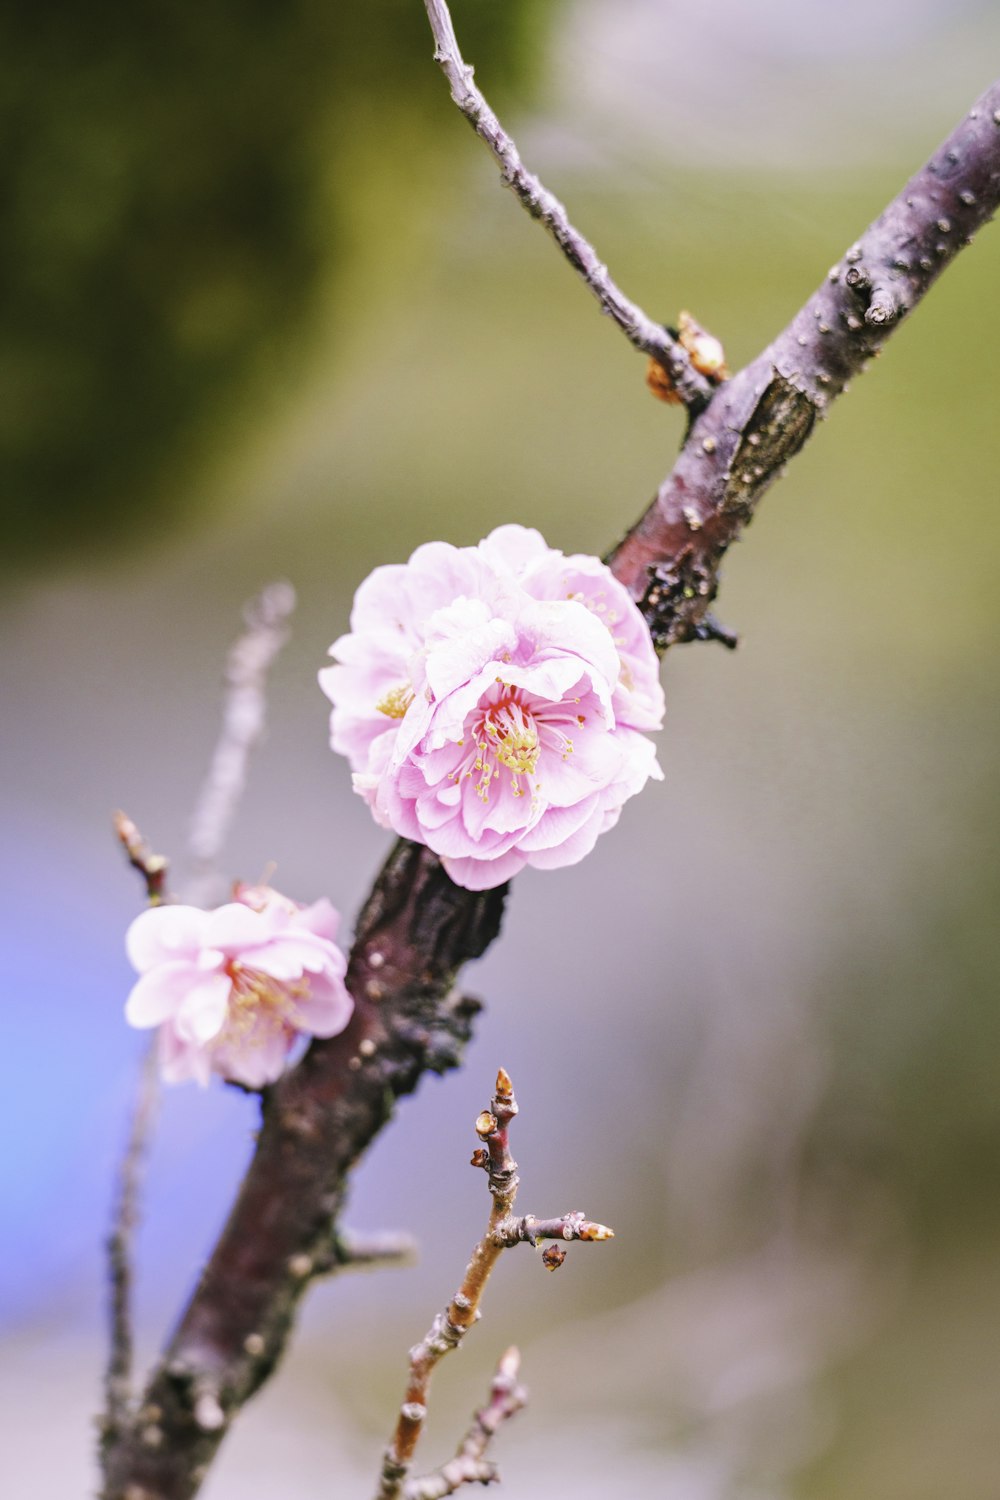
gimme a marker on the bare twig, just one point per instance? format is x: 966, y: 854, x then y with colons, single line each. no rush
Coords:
x: 125, y: 1217
x: 362, y: 1252
x: 266, y: 631
x: 642, y: 333
x: 243, y: 712
x: 450, y: 1326
x: 470, y: 1464
x: 125, y: 1213
x: 152, y: 867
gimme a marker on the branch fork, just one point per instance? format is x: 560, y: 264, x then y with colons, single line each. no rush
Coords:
x: 450, y: 1326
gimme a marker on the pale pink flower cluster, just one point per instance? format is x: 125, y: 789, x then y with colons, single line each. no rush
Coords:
x: 232, y: 990
x: 493, y: 702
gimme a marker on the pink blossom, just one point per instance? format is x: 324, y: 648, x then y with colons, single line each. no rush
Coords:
x: 233, y: 989
x: 492, y: 702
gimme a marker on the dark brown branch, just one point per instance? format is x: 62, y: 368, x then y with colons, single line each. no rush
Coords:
x: 450, y: 1326
x: 418, y: 928
x: 642, y: 333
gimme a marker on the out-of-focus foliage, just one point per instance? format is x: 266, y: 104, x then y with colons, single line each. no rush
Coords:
x: 170, y: 210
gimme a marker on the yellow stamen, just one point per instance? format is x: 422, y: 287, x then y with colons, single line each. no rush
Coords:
x: 396, y: 701
x: 514, y: 737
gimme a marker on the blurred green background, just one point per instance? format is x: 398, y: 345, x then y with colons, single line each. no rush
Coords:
x: 266, y: 312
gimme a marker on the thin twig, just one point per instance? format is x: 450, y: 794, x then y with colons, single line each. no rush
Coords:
x: 642, y: 333
x: 125, y: 1213
x: 470, y: 1464
x: 152, y: 867
x: 125, y: 1217
x: 354, y: 1251
x: 243, y: 714
x: 249, y: 659
x: 450, y: 1326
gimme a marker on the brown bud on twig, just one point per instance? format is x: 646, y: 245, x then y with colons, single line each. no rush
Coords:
x: 480, y: 1158
x: 594, y: 1232
x: 703, y: 349
x: 152, y: 867
x: 553, y: 1257
x: 486, y: 1123
x: 505, y: 1089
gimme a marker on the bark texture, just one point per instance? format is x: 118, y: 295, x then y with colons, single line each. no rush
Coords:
x: 761, y: 418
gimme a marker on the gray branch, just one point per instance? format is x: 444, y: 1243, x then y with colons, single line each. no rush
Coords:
x: 118, y: 1375
x: 645, y: 335
x: 243, y: 714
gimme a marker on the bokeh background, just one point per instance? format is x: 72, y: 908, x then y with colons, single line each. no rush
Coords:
x: 267, y: 313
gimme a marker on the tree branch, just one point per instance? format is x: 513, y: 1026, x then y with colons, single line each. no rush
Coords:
x: 151, y: 867
x: 118, y: 1375
x: 470, y: 1464
x: 450, y: 1326
x: 642, y: 333
x: 417, y: 928
x: 761, y: 418
x: 362, y: 1252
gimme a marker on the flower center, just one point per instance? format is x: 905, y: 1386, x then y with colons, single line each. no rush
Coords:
x: 256, y: 998
x: 511, y: 734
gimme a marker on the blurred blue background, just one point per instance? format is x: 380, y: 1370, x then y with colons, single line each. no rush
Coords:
x: 269, y: 314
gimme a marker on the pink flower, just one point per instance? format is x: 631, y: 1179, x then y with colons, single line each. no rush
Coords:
x: 233, y: 989
x: 492, y: 702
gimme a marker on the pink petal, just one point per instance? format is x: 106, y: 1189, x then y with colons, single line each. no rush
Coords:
x: 514, y: 547
x: 289, y: 954
x: 160, y: 993
x: 321, y: 917
x: 204, y: 1010
x: 484, y: 874
x: 326, y: 1010
x: 180, y: 1061
x: 234, y: 927
x: 559, y: 824
x: 162, y: 934
x: 572, y: 849
x: 258, y: 1060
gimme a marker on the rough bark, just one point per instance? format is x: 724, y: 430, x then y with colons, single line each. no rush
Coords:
x: 762, y: 417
